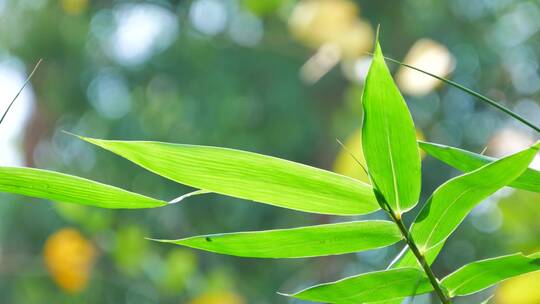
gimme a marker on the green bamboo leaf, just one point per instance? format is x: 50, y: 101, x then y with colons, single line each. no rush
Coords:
x: 70, y: 189
x: 480, y: 275
x: 453, y: 200
x: 301, y: 242
x: 468, y: 161
x: 407, y: 259
x: 389, y: 138
x: 249, y: 176
x: 369, y: 287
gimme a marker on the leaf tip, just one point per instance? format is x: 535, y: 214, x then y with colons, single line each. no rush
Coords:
x: 91, y: 140
x: 284, y: 294
x: 71, y: 134
x: 78, y: 136
x: 377, y: 53
x: 94, y: 141
x: 157, y: 240
x: 536, y: 146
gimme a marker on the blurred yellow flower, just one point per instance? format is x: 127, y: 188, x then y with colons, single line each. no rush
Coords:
x: 520, y: 290
x: 429, y: 56
x: 74, y: 7
x: 69, y: 258
x: 345, y: 163
x: 218, y: 298
x: 355, y: 40
x: 316, y: 22
x: 319, y: 22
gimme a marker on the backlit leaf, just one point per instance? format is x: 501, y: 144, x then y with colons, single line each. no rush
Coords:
x: 249, y: 176
x: 369, y: 287
x: 453, y: 200
x: 61, y: 187
x: 467, y: 161
x: 479, y: 275
x: 299, y: 242
x: 389, y: 138
x: 407, y: 258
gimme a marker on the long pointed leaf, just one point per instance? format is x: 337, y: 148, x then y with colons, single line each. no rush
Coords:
x: 465, y: 161
x: 453, y: 200
x: 299, y: 242
x: 70, y: 189
x: 389, y: 138
x: 467, y: 203
x: 468, y: 161
x: 249, y: 176
x: 480, y: 275
x: 369, y: 287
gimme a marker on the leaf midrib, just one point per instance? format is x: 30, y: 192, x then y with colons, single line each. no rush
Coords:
x: 449, y: 206
x: 389, y: 283
x: 394, y: 180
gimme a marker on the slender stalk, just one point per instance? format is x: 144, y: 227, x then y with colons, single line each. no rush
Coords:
x: 21, y: 89
x: 473, y: 93
x: 396, y: 218
x: 421, y: 259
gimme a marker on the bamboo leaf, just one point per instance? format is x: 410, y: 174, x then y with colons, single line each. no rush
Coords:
x: 480, y: 275
x: 468, y: 161
x: 406, y: 258
x: 453, y: 200
x: 70, y: 189
x: 249, y: 176
x: 389, y: 138
x: 369, y: 287
x: 301, y: 242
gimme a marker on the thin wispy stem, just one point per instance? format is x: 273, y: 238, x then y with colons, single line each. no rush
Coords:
x: 20, y: 90
x: 471, y: 92
x: 352, y: 155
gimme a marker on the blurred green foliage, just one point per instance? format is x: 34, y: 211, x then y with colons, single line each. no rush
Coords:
x: 226, y: 73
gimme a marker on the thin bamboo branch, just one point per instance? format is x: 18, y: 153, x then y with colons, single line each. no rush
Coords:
x: 20, y: 90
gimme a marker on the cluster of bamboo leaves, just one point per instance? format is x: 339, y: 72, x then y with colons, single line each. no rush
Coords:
x: 394, y: 168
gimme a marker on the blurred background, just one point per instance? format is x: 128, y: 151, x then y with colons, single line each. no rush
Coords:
x: 279, y: 77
